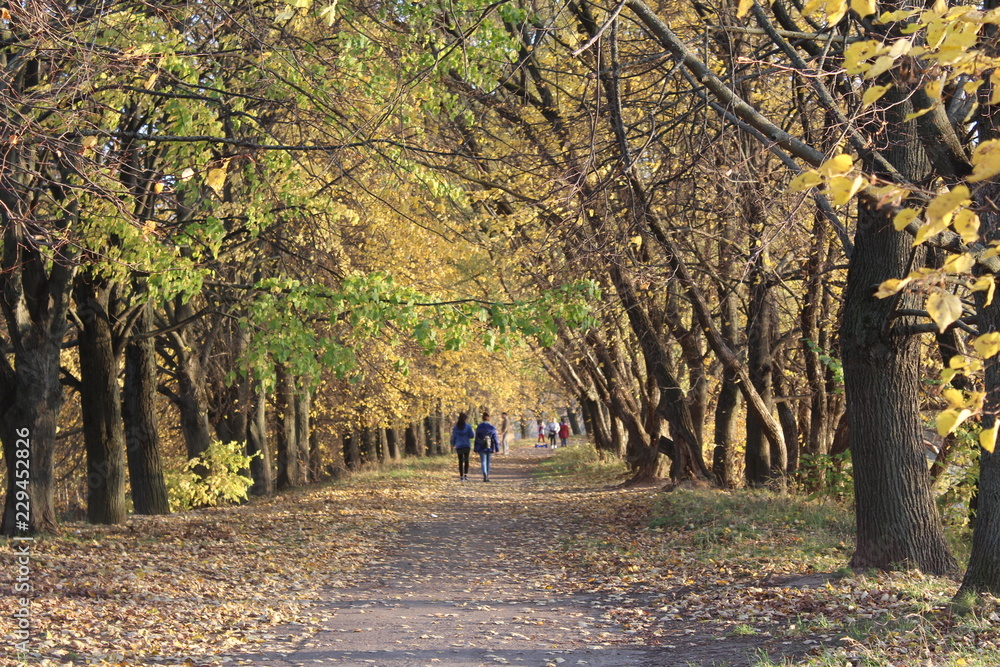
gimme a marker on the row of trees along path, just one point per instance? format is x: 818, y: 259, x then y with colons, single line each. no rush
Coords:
x: 470, y: 583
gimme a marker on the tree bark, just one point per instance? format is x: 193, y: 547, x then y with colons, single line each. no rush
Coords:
x: 303, y: 403
x: 100, y: 402
x: 392, y: 443
x: 142, y: 438
x: 261, y: 465
x: 35, y: 301
x: 288, y: 451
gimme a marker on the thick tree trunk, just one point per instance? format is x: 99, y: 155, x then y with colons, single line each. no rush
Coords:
x: 368, y: 454
x: 395, y: 452
x: 411, y: 446
x: 574, y: 421
x: 100, y: 403
x: 381, y: 445
x: 191, y: 399
x: 30, y: 392
x: 142, y: 438
x: 352, y: 452
x: 897, y: 522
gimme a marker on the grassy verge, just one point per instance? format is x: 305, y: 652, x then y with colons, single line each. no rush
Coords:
x: 754, y: 565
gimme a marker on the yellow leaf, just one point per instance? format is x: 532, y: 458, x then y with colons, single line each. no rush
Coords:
x: 957, y: 361
x: 916, y: 114
x: 805, y: 180
x: 944, y: 308
x: 835, y: 10
x: 891, y: 286
x: 873, y: 94
x: 841, y: 189
x: 942, y: 206
x: 955, y: 398
x: 882, y: 64
x: 863, y: 7
x: 811, y: 7
x: 988, y: 344
x: 933, y: 89
x: 985, y: 160
x: 958, y: 263
x: 985, y: 283
x: 903, y: 218
x: 949, y: 420
x: 89, y: 142
x: 988, y: 441
x: 856, y: 55
x: 836, y: 166
x: 995, y: 86
x: 216, y: 178
x: 966, y: 223
x: 158, y: 187
x: 947, y: 375
x: 187, y: 174
x: 743, y: 8
x: 5, y: 14
x: 151, y: 81
x: 900, y: 47
x: 972, y: 86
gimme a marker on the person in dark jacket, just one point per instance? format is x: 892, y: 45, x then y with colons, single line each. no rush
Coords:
x: 461, y: 441
x: 486, y: 444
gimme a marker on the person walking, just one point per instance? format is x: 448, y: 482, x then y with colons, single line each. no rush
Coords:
x: 563, y: 431
x: 504, y: 432
x: 461, y: 441
x: 541, y: 434
x: 551, y: 429
x: 486, y: 444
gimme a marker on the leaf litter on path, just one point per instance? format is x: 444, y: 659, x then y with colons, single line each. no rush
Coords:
x: 423, y: 569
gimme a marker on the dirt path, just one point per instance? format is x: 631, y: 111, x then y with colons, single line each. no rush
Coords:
x: 462, y: 587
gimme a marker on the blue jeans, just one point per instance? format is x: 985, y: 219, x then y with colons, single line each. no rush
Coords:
x: 484, y: 461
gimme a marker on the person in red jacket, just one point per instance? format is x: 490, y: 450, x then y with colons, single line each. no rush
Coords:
x: 563, y: 431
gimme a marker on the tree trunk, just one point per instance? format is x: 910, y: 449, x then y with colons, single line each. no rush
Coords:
x: 574, y: 421
x: 897, y: 522
x: 303, y: 403
x: 288, y: 452
x: 30, y: 392
x: 727, y: 405
x: 142, y: 438
x: 368, y: 454
x: 410, y: 443
x: 352, y: 452
x: 261, y: 465
x: 381, y: 445
x: 761, y: 464
x: 100, y: 403
x: 392, y: 444
x: 983, y: 572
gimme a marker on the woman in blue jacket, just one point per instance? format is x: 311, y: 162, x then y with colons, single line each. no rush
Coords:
x: 461, y: 441
x: 486, y: 444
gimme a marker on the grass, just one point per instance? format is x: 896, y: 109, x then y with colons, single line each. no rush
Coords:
x: 582, y: 462
x: 733, y: 562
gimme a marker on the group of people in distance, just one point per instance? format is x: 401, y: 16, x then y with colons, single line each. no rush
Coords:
x: 549, y: 430
x: 485, y: 440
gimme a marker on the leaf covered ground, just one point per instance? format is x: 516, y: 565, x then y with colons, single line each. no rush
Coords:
x: 754, y: 577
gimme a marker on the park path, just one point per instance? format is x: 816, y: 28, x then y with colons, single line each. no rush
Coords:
x: 460, y: 587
